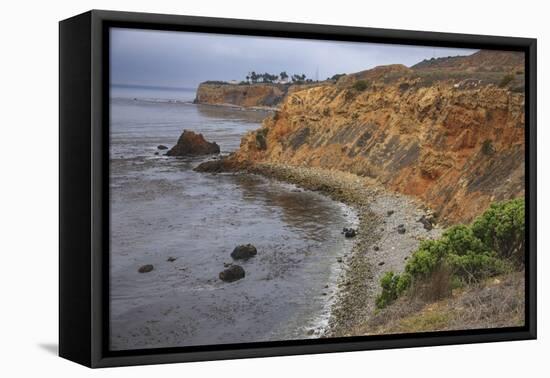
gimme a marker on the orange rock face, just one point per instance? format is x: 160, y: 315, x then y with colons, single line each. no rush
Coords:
x: 240, y: 95
x: 456, y: 147
x: 253, y: 95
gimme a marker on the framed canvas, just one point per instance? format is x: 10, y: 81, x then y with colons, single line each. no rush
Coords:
x: 236, y: 188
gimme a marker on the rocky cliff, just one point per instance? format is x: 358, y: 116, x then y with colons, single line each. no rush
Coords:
x: 268, y: 95
x: 452, y: 136
x: 246, y: 95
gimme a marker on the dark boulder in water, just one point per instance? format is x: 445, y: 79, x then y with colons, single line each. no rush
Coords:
x: 162, y: 147
x: 145, y: 268
x: 233, y: 273
x: 244, y: 252
x: 191, y: 144
x: 215, y: 166
x: 349, y: 232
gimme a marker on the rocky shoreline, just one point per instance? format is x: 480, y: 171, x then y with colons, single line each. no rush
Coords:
x: 389, y: 230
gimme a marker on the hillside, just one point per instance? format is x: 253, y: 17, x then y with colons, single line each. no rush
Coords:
x: 455, y: 142
x: 494, y: 303
x: 481, y: 61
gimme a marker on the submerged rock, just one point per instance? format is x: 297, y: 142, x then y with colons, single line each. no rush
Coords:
x: 191, y: 144
x: 233, y: 273
x: 244, y: 252
x: 145, y: 268
x: 215, y: 166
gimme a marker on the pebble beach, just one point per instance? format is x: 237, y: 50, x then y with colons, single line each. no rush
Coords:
x: 379, y: 246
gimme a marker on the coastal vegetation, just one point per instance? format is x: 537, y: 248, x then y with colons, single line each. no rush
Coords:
x: 493, y: 244
x: 269, y: 78
x: 360, y: 85
x: 494, y: 302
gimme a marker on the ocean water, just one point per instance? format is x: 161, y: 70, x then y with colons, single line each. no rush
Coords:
x: 161, y: 208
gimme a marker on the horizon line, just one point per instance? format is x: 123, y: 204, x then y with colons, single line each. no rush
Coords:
x: 150, y: 86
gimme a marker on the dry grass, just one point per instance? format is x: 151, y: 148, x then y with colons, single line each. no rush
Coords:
x: 438, y: 286
x: 497, y: 302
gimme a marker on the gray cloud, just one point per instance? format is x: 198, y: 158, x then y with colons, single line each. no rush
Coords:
x: 182, y: 59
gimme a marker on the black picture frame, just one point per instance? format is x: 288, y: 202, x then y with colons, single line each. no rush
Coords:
x: 83, y: 181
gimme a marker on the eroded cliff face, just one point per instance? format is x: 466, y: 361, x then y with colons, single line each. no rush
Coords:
x: 255, y: 95
x: 457, y: 145
x: 247, y: 95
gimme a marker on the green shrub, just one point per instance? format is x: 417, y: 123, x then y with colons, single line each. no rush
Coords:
x: 389, y: 283
x: 491, y: 245
x: 502, y: 229
x: 472, y: 267
x: 360, y: 85
x: 336, y: 77
x: 460, y: 250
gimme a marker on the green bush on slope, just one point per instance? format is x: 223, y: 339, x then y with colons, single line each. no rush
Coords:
x: 502, y: 229
x: 360, y: 85
x: 493, y: 244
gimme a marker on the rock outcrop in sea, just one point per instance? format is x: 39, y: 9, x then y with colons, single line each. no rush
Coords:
x: 191, y: 144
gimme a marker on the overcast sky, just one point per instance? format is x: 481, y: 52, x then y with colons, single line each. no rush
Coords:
x: 182, y: 59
